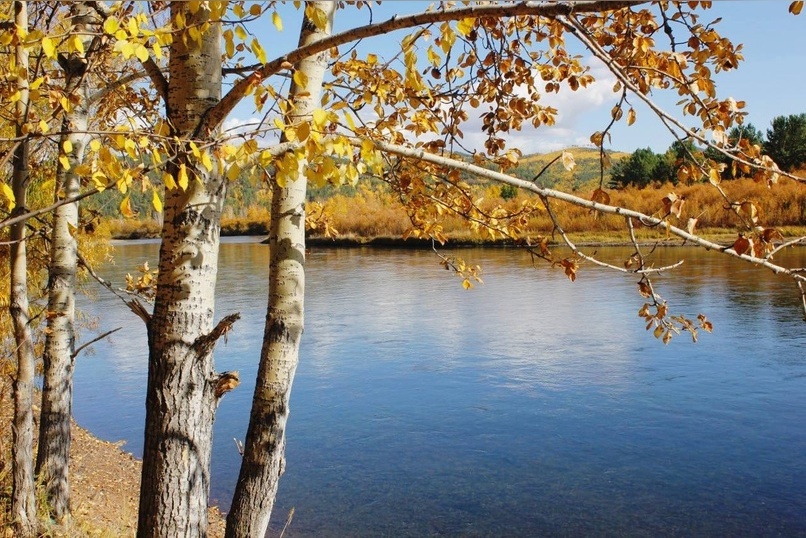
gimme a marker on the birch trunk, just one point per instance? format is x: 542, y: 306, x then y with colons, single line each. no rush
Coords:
x: 53, y: 456
x: 180, y: 399
x: 23, y: 506
x: 263, y: 459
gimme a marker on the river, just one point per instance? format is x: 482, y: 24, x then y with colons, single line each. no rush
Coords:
x: 527, y: 406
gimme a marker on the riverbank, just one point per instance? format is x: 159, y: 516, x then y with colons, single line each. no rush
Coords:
x: 646, y: 237
x: 104, y: 482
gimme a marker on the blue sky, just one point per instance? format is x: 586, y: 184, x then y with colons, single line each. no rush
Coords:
x: 771, y: 81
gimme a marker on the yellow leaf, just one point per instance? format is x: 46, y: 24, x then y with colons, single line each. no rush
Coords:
x: 111, y: 25
x: 277, y: 21
x: 141, y: 52
x: 206, y: 161
x: 466, y: 284
x: 229, y: 45
x: 320, y: 116
x: 65, y: 162
x: 303, y: 131
x: 317, y: 16
x: 183, y: 177
x: 195, y: 149
x: 568, y: 161
x: 300, y: 79
x: 168, y: 181
x: 156, y: 202
x: 240, y: 32
x: 43, y: 126
x: 350, y: 122
x: 233, y: 172
x: 95, y: 145
x: 134, y: 30
x: 465, y: 26
x: 631, y: 117
x: 9, y: 196
x: 67, y: 146
x: 82, y: 170
x: 258, y: 50
x: 127, y: 49
x: 48, y: 47
x: 126, y: 208
x: 78, y: 43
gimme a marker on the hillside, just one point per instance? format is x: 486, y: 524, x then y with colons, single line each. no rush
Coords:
x: 585, y: 172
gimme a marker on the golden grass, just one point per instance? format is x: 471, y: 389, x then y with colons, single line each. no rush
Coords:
x: 372, y: 213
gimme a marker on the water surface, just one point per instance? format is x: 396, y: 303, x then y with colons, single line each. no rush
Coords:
x: 527, y: 406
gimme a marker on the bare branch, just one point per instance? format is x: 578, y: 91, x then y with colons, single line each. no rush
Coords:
x: 80, y: 348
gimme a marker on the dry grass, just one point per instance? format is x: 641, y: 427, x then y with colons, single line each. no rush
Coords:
x: 371, y: 213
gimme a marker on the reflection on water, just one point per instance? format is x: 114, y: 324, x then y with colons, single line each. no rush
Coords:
x: 527, y: 406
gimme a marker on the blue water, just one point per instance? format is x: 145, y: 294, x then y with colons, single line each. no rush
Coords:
x: 528, y: 406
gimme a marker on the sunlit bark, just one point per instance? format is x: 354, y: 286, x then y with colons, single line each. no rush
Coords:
x: 53, y: 455
x: 263, y: 458
x: 23, y: 505
x: 181, y: 399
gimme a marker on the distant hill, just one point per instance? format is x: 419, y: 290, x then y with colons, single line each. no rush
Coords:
x: 586, y: 171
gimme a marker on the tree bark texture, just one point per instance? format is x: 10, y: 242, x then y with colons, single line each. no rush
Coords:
x: 263, y: 459
x: 23, y: 504
x: 53, y: 456
x: 180, y: 399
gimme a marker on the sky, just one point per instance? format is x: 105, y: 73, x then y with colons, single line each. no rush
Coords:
x: 771, y: 80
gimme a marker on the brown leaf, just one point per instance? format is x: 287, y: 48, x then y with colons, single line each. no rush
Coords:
x: 644, y: 289
x: 796, y: 7
x: 769, y: 235
x: 570, y: 267
x: 749, y: 211
x: 667, y: 202
x: 673, y: 204
x: 704, y: 323
x: 600, y: 196
x: 742, y: 245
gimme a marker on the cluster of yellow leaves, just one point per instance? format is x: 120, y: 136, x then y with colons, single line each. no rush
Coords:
x: 144, y: 284
x: 468, y: 273
x: 319, y: 221
x: 133, y: 37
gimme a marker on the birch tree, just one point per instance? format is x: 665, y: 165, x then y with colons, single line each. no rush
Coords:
x: 263, y: 457
x: 53, y: 455
x: 23, y: 505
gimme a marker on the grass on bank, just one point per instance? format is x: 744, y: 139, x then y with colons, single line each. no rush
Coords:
x: 368, y: 214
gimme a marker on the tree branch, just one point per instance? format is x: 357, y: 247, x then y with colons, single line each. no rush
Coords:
x: 87, y: 344
x: 420, y: 154
x: 216, y: 115
x: 205, y: 343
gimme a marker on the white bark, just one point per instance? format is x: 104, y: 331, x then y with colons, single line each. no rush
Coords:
x: 53, y: 456
x: 23, y: 506
x: 263, y: 458
x: 181, y: 401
